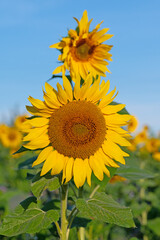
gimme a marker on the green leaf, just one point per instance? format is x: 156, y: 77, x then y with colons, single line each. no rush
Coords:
x: 134, y: 173
x: 32, y: 221
x: 102, y: 207
x: 22, y: 149
x: 39, y: 184
x: 27, y: 163
x: 123, y: 111
x: 154, y: 225
x: 138, y: 208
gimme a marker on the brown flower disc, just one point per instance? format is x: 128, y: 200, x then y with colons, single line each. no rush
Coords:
x: 77, y: 129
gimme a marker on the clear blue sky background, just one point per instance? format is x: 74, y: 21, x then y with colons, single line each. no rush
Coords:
x: 29, y: 27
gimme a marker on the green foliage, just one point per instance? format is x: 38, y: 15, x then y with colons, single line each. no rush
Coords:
x: 27, y: 218
x: 134, y: 173
x: 103, y: 207
x: 154, y: 225
x: 39, y: 184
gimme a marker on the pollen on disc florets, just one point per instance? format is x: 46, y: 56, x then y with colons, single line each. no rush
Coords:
x: 77, y: 129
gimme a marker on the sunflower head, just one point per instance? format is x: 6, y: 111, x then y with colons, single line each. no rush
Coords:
x: 152, y: 145
x: 77, y: 130
x: 132, y: 125
x: 117, y: 178
x: 142, y: 136
x: 156, y: 156
x: 84, y: 51
x: 3, y: 129
x: 11, y: 138
x: 19, y: 120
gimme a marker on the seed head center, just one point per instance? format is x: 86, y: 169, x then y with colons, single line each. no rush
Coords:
x: 82, y: 51
x: 77, y: 129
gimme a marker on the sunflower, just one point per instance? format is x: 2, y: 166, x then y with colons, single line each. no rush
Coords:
x: 19, y: 120
x: 11, y: 138
x: 3, y: 129
x: 83, y: 51
x: 152, y: 145
x: 77, y: 130
x: 117, y: 178
x: 156, y: 156
x: 132, y: 125
x: 142, y: 136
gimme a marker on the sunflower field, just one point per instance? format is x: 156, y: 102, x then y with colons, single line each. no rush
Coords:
x: 74, y: 166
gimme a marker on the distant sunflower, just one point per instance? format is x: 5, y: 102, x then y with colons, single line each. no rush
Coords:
x: 117, y: 178
x: 77, y: 130
x: 3, y: 129
x: 83, y: 51
x: 11, y: 138
x: 19, y: 120
x: 156, y: 156
x: 132, y: 124
x: 152, y: 145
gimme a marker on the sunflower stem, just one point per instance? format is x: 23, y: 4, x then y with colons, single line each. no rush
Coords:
x: 64, y: 222
x: 94, y: 191
x: 142, y: 197
x: 81, y: 230
x: 71, y: 218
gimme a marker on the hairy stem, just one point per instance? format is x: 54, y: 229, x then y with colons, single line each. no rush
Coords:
x: 142, y: 196
x: 81, y: 230
x: 64, y: 222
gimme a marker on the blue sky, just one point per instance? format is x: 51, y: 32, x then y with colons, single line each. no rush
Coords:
x: 29, y: 27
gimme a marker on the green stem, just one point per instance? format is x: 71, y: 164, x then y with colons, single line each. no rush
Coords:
x: 64, y: 222
x: 142, y: 196
x: 58, y: 228
x: 81, y: 230
x: 94, y: 191
x: 71, y: 218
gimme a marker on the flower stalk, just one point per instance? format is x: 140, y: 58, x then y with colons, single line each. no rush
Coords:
x: 81, y: 230
x: 64, y: 222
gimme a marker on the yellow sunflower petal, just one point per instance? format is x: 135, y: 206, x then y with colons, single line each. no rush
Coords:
x: 117, y: 138
x: 58, y: 164
x: 37, y: 103
x: 48, y: 163
x: 35, y: 132
x: 107, y: 99
x: 116, y: 152
x: 43, y: 156
x: 88, y: 171
x: 69, y: 169
x: 79, y: 172
x: 39, y: 142
x: 62, y: 96
x: 37, y: 122
x: 110, y: 109
x: 94, y: 164
x: 117, y: 119
x: 67, y: 88
x: 59, y: 69
x: 107, y: 160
